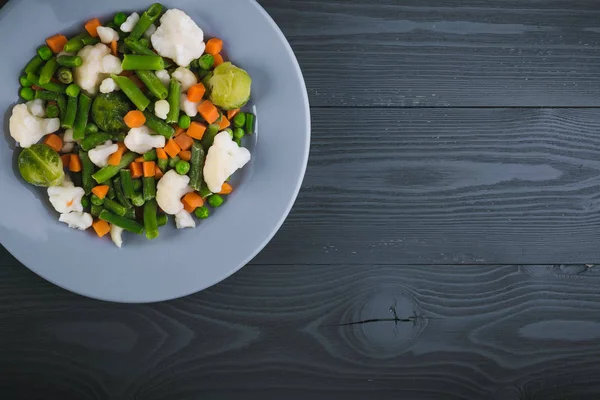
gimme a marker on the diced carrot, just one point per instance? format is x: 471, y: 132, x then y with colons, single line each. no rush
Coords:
x: 178, y: 130
x: 214, y: 46
x: 115, y: 158
x: 92, y: 27
x: 161, y: 154
x: 226, y: 189
x: 57, y: 43
x: 135, y: 119
x: 208, y: 111
x: 149, y: 169
x: 158, y: 173
x: 101, y: 191
x: 196, y: 130
x: 185, y: 155
x: 54, y: 141
x: 224, y: 123
x: 172, y: 148
x: 188, y: 208
x: 101, y: 227
x: 136, y: 170
x: 232, y: 113
x: 114, y: 48
x: 75, y: 163
x: 193, y: 199
x: 196, y: 92
x: 184, y: 141
x: 66, y: 160
x: 218, y: 59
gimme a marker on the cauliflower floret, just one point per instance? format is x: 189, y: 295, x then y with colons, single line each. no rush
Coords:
x: 116, y: 234
x: 91, y: 72
x: 27, y: 129
x: 108, y: 35
x: 223, y: 159
x: 141, y: 140
x: 188, y: 107
x: 99, y: 155
x: 130, y: 23
x: 77, y: 220
x: 169, y: 191
x: 68, y: 136
x: 111, y: 65
x: 67, y: 147
x: 186, y: 77
x: 179, y: 38
x: 36, y: 108
x: 108, y: 86
x: 164, y: 77
x: 183, y: 219
x: 66, y: 198
x: 161, y: 109
x: 150, y: 31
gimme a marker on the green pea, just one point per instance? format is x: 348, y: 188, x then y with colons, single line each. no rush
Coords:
x: 25, y: 82
x: 239, y: 142
x: 45, y: 53
x: 215, y: 201
x: 185, y: 121
x: 97, y: 201
x: 202, y: 212
x: 239, y: 133
x: 91, y: 128
x: 52, y: 111
x: 182, y: 167
x: 27, y: 93
x: 173, y: 161
x: 73, y: 90
x: 120, y: 19
x: 239, y: 121
x: 206, y: 62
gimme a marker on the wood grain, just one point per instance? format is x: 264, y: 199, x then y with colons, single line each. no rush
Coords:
x: 430, y: 53
x: 422, y: 332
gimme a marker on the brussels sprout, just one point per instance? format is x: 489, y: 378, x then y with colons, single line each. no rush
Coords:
x: 229, y: 86
x: 109, y: 110
x: 40, y: 165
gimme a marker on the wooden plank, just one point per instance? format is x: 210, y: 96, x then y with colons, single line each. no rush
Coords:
x: 430, y: 53
x: 447, y: 186
x: 360, y: 331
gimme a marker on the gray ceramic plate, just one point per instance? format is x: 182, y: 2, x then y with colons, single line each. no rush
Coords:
x: 179, y: 262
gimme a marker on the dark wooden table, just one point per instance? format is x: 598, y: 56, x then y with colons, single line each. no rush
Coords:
x: 442, y: 246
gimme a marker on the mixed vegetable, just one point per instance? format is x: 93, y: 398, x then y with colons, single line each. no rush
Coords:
x: 142, y: 114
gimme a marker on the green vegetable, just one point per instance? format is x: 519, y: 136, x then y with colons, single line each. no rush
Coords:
x: 34, y: 65
x: 202, y: 212
x: 120, y: 19
x: 48, y: 71
x: 158, y: 125
x: 94, y: 139
x: 134, y: 62
x: 73, y: 90
x: 197, y: 166
x: 138, y: 48
x: 215, y: 201
x: 83, y: 113
x: 110, y: 171
x: 70, y: 61
x: 239, y: 133
x: 120, y: 194
x: 121, y: 222
x: 145, y: 42
x: 127, y: 183
x: 46, y: 95
x: 209, y: 136
x: 149, y: 188
x: 239, y: 121
x: 250, y: 122
x: 97, y: 201
x: 173, y: 161
x: 137, y: 185
x: 204, y: 192
x: 87, y: 170
x: 206, y: 62
x: 185, y: 121
x: 154, y: 85
x: 163, y: 163
x: 130, y: 89
x: 87, y: 40
x: 45, y: 53
x: 238, y: 142
x: 138, y: 200
x: 69, y: 120
x: 109, y: 110
x: 182, y: 167
x: 96, y: 210
x: 25, y: 82
x: 150, y: 156
x: 75, y: 44
x: 130, y: 213
x: 51, y: 86
x: 174, y: 100
x: 85, y: 202
x: 115, y: 207
x: 27, y: 94
x: 229, y: 86
x: 150, y: 219
x: 52, y: 111
x: 65, y: 75
x: 40, y: 165
x: 148, y: 18
x: 61, y: 100
x: 162, y: 219
x: 91, y: 128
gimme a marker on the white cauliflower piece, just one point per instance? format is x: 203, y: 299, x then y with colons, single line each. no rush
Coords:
x: 66, y: 198
x: 130, y: 23
x: 164, y: 77
x: 36, y: 108
x: 150, y: 31
x: 186, y: 77
x: 141, y: 140
x: 108, y: 35
x: 169, y: 191
x: 161, y: 109
x: 27, y: 129
x: 68, y: 136
x: 223, y: 159
x: 99, y: 155
x: 108, y: 86
x: 183, y: 219
x: 178, y: 38
x: 77, y: 220
x: 91, y: 72
x: 111, y: 65
x: 67, y: 147
x: 116, y: 234
x: 188, y: 107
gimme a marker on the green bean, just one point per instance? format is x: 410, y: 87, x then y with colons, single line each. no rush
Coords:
x: 75, y: 44
x: 76, y: 178
x: 250, y: 122
x: 65, y: 75
x: 162, y: 219
x: 94, y: 139
x: 69, y: 119
x: 205, y: 191
x: 134, y: 62
x: 110, y: 171
x: 83, y: 113
x: 215, y: 201
x: 62, y: 105
x: 34, y: 65
x: 206, y: 62
x: 52, y: 111
x: 137, y: 48
x: 173, y: 161
x: 121, y: 222
x: 91, y: 128
x: 96, y: 200
x: 197, y: 166
x: 163, y: 163
x: 51, y: 86
x: 137, y: 185
x: 87, y: 170
x: 130, y: 213
x: 174, y: 101
x: 73, y: 90
x: 45, y: 53
x: 120, y: 18
x: 148, y: 18
x: 46, y: 95
x: 154, y: 85
x: 70, y: 61
x: 115, y: 207
x: 25, y: 82
x: 88, y: 40
x: 150, y: 219
x: 127, y: 183
x: 149, y: 188
x: 185, y: 121
x: 48, y: 71
x: 27, y: 94
x: 209, y: 136
x: 96, y: 210
x: 158, y: 125
x: 150, y: 156
x: 120, y: 195
x: 138, y: 200
x: 144, y: 42
x: 134, y: 93
x: 202, y: 212
x: 239, y: 121
x: 85, y: 202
